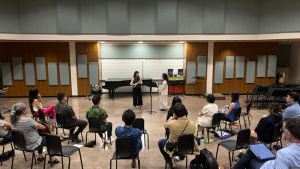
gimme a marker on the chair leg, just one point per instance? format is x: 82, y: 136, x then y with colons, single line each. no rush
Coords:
x: 69, y: 162
x: 24, y: 155
x: 2, y: 154
x: 32, y: 159
x: 245, y: 124
x: 69, y: 136
x: 116, y: 163
x: 86, y: 137
x: 110, y: 163
x: 148, y: 140
x: 139, y: 163
x: 144, y: 139
x: 80, y: 158
x: 186, y: 161
x: 62, y: 162
x: 45, y: 161
x: 240, y: 124
x: 232, y: 155
x: 207, y: 135
x: 12, y: 161
x: 229, y: 158
x: 95, y: 138
x: 248, y: 120
x: 82, y: 137
x: 198, y: 130
x: 217, y: 152
x: 166, y: 165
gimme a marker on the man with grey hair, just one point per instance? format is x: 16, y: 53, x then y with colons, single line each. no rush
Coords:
x: 287, y: 157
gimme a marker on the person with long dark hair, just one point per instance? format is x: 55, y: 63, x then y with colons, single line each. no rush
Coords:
x: 235, y: 103
x: 175, y: 100
x: 35, y: 100
x: 163, y: 98
x: 137, y: 82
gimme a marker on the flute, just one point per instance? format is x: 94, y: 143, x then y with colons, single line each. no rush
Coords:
x: 137, y: 83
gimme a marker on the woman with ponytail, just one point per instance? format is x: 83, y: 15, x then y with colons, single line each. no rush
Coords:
x: 28, y: 126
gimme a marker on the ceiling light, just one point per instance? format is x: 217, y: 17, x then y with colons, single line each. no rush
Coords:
x: 140, y: 42
x: 102, y: 42
x: 181, y: 42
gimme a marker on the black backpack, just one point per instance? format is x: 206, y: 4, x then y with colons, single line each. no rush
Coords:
x: 206, y: 160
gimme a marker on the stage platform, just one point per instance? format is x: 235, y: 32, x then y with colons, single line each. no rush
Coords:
x: 218, y: 96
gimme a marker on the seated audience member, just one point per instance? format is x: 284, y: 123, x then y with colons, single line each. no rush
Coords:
x: 70, y: 118
x: 229, y: 114
x: 176, y: 99
x: 177, y: 124
x: 35, y: 100
x: 128, y: 131
x: 265, y: 127
x: 96, y: 111
x: 206, y: 116
x: 5, y: 131
x: 287, y: 157
x: 29, y: 127
x: 293, y: 108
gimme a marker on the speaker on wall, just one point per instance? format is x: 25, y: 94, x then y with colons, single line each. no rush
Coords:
x: 170, y: 72
x: 180, y: 72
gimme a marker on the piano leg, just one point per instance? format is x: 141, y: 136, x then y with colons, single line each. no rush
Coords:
x: 113, y: 93
x: 109, y: 94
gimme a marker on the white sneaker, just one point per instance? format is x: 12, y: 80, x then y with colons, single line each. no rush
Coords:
x: 110, y: 141
x: 175, y: 159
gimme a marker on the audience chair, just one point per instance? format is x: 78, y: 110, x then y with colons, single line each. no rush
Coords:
x: 34, y: 116
x: 68, y: 99
x: 124, y: 151
x: 140, y: 124
x: 277, y: 135
x: 54, y: 148
x: 19, y: 144
x: 244, y: 114
x: 215, y: 123
x: 61, y: 124
x: 42, y: 118
x: 232, y: 145
x: 185, y: 145
x: 236, y: 118
x: 3, y: 143
x: 94, y: 124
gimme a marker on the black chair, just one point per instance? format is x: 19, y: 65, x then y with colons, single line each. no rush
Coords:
x: 68, y: 99
x: 244, y: 114
x: 185, y: 145
x: 3, y: 143
x: 61, y: 124
x: 19, y: 144
x: 54, y: 148
x: 94, y: 125
x: 237, y: 116
x: 42, y: 118
x: 215, y: 123
x: 277, y: 135
x: 241, y: 142
x: 124, y: 151
x: 140, y: 124
x: 34, y: 116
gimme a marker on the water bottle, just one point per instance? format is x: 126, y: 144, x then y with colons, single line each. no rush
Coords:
x: 201, y: 141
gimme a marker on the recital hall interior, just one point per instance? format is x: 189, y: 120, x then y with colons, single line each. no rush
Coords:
x: 150, y: 84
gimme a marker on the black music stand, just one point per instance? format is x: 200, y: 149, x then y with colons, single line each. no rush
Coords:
x: 198, y: 78
x: 150, y: 84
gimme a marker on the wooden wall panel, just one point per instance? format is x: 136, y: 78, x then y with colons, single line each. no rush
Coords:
x: 52, y: 51
x: 193, y: 50
x: 250, y: 50
x: 90, y: 49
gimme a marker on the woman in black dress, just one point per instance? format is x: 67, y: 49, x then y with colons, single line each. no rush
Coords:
x: 137, y: 82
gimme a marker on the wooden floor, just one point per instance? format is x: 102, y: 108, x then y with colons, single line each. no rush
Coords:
x: 150, y: 159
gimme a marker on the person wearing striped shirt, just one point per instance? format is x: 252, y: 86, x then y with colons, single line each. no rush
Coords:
x: 287, y: 157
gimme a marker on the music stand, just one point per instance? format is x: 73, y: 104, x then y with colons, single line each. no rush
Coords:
x: 150, y: 84
x: 198, y: 78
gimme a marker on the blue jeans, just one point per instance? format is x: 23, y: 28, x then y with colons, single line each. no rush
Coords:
x: 248, y: 160
x: 161, y: 145
x: 8, y: 136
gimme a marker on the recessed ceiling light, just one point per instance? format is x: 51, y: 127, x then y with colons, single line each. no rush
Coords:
x: 140, y: 42
x: 181, y: 42
x: 102, y: 42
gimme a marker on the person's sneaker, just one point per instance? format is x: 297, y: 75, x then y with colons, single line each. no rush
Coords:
x: 76, y: 139
x: 175, y: 159
x: 110, y: 141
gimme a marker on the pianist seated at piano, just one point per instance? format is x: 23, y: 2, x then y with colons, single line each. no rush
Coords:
x: 137, y: 82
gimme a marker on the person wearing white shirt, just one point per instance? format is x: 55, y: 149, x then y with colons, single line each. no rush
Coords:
x: 163, y: 98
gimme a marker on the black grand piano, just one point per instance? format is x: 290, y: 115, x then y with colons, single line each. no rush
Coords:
x: 113, y: 83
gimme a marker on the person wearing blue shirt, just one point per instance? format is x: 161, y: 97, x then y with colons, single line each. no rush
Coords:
x: 287, y: 157
x: 293, y: 108
x: 229, y: 114
x: 128, y: 131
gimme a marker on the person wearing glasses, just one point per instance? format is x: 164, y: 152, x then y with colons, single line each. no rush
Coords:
x: 287, y: 157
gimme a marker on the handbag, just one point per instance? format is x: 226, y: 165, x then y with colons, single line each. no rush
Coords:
x: 43, y: 132
x: 204, y: 160
x: 171, y: 145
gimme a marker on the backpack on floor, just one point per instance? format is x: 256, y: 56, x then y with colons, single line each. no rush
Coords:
x: 206, y: 160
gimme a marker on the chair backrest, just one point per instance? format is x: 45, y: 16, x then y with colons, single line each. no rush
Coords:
x: 243, y: 137
x: 18, y: 140
x: 94, y: 124
x: 124, y: 147
x: 139, y: 123
x: 237, y: 114
x: 31, y: 110
x: 60, y: 120
x: 53, y: 144
x: 186, y: 143
x: 277, y: 133
x: 216, y: 120
x: 68, y: 99
x: 249, y: 107
x: 42, y: 116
